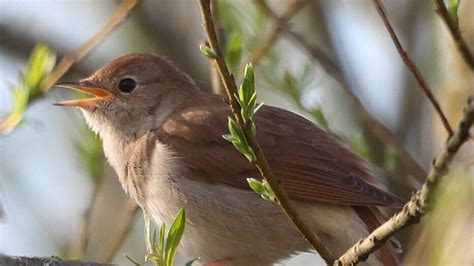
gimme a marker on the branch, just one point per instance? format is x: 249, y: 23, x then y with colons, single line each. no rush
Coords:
x: 122, y: 234
x: 412, y: 66
x: 371, y: 124
x: 13, y: 260
x: 8, y: 123
x: 67, y: 61
x: 455, y: 33
x: 84, y: 237
x: 261, y: 162
x: 293, y: 8
x: 417, y: 207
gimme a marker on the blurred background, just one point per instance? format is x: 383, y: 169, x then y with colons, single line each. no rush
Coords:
x: 53, y: 176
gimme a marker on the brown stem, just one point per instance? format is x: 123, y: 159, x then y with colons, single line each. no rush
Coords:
x: 261, y: 162
x: 83, y: 240
x: 417, y: 207
x: 455, y: 33
x: 124, y: 229
x: 293, y: 8
x: 412, y: 66
x: 67, y: 61
x: 370, y: 123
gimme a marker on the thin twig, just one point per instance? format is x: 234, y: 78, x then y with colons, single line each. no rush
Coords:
x: 124, y: 229
x: 261, y: 162
x: 216, y: 82
x: 371, y: 124
x: 68, y: 60
x: 418, y: 206
x: 84, y: 237
x: 293, y: 8
x: 455, y: 33
x: 412, y: 66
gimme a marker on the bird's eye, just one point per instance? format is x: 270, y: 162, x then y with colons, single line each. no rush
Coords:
x: 127, y: 85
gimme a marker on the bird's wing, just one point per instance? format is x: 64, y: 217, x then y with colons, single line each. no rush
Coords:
x: 312, y: 165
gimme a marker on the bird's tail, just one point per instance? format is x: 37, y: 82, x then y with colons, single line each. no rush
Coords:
x: 373, y: 218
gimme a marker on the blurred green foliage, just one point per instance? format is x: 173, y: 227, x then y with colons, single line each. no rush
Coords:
x: 91, y: 155
x: 162, y: 252
x: 40, y: 65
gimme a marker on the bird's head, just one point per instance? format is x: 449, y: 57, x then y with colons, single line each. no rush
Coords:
x: 131, y: 92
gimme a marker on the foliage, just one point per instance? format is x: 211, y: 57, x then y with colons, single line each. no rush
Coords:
x: 40, y: 65
x: 90, y: 155
x: 262, y: 188
x: 247, y: 99
x: 161, y: 252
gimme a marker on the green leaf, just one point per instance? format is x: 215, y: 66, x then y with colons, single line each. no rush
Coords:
x: 174, y: 237
x: 190, y: 263
x: 321, y: 118
x: 40, y: 64
x: 233, y: 51
x: 453, y: 6
x: 207, y: 51
x: 161, y: 244
x: 262, y: 188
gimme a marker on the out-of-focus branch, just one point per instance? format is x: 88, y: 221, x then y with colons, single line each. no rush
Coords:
x: 13, y: 260
x: 124, y: 229
x: 260, y: 162
x: 68, y: 60
x: 84, y: 237
x: 412, y: 66
x: 418, y: 205
x: 293, y: 8
x: 25, y: 95
x: 453, y: 28
x: 370, y: 123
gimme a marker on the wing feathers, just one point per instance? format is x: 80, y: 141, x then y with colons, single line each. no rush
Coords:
x: 312, y: 165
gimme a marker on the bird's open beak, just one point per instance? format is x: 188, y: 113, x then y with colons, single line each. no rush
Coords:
x: 99, y: 94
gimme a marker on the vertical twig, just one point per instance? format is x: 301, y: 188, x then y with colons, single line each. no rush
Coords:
x: 261, y: 162
x: 84, y: 237
x: 416, y: 208
x: 412, y: 66
x: 453, y: 28
x: 124, y: 229
x: 370, y: 123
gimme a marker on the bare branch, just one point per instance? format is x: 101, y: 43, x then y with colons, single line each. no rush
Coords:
x: 455, y: 33
x: 122, y: 233
x: 371, y: 124
x: 14, y: 260
x: 412, y: 66
x: 261, y: 162
x: 67, y: 61
x: 293, y: 8
x: 418, y: 205
x: 83, y: 240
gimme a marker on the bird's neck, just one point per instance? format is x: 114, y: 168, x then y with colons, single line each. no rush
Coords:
x: 119, y: 138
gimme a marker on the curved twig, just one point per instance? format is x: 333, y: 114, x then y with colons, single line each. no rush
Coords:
x: 124, y: 229
x: 416, y: 208
x: 379, y: 130
x: 261, y: 162
x: 455, y: 33
x: 412, y: 66
x: 68, y: 60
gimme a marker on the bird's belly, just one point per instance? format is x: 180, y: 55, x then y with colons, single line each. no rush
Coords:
x: 224, y: 222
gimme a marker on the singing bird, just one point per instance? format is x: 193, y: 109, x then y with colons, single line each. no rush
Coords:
x: 163, y: 137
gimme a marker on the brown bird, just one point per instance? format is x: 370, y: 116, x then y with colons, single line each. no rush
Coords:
x: 163, y: 137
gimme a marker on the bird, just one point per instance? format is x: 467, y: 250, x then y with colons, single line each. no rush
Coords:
x: 163, y: 136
